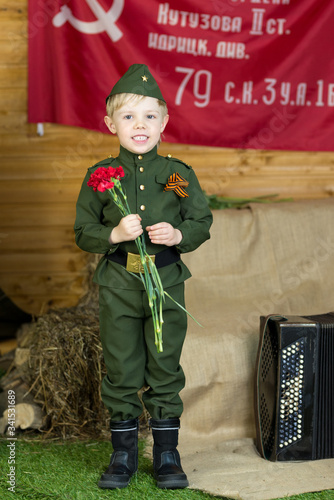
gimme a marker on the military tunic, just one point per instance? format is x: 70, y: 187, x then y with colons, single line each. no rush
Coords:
x: 126, y: 328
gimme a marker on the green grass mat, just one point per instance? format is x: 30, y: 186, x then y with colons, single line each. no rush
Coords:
x: 70, y: 470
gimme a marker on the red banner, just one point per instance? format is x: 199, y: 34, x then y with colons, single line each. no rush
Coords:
x: 235, y: 73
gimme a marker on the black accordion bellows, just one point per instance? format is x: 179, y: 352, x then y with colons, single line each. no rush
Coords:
x: 294, y: 400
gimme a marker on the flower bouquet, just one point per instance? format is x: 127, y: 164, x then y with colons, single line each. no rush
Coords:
x: 109, y: 178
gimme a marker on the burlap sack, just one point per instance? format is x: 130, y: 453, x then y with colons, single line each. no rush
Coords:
x: 265, y: 259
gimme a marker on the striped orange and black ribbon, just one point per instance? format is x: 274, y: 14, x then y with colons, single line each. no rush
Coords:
x: 177, y: 183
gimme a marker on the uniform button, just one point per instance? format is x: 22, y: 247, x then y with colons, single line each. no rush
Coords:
x: 142, y: 207
x: 141, y: 169
x: 142, y: 187
x: 140, y: 157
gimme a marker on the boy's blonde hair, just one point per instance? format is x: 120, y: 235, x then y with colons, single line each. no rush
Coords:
x: 116, y: 101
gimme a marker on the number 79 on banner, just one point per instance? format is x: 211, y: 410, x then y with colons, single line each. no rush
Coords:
x: 203, y: 98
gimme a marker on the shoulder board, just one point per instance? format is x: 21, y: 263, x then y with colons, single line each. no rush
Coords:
x: 171, y: 158
x: 106, y: 161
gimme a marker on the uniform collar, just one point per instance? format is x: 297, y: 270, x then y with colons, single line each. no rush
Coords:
x: 128, y: 158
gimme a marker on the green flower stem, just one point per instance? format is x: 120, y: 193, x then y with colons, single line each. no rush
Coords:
x: 150, y: 277
x: 183, y: 309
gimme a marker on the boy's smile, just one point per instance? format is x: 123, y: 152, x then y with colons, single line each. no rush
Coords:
x: 140, y: 139
x: 138, y: 124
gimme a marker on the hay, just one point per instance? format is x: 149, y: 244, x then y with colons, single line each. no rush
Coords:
x: 66, y: 368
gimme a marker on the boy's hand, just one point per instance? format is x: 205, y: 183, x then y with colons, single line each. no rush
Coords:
x: 164, y: 233
x: 128, y: 229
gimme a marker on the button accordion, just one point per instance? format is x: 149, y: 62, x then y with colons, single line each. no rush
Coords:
x: 294, y: 400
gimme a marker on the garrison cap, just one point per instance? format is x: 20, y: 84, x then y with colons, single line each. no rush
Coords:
x: 137, y: 80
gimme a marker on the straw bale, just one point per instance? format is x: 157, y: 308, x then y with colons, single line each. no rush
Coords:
x: 65, y: 370
x: 66, y: 367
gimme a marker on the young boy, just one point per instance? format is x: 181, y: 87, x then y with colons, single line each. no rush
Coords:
x: 174, y: 221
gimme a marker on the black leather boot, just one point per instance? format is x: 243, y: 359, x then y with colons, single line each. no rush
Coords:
x: 124, y: 460
x: 166, y: 459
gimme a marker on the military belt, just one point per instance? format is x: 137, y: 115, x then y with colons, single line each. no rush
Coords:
x: 132, y: 262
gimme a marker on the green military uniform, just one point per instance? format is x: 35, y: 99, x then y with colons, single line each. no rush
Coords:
x: 127, y: 333
x: 153, y: 188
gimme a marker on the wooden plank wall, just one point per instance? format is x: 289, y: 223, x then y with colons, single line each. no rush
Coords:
x: 40, y: 266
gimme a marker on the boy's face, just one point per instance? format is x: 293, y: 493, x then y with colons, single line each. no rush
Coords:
x: 138, y: 124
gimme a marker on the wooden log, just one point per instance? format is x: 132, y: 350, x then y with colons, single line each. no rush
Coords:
x: 25, y: 413
x: 14, y: 383
x: 27, y: 416
x: 21, y: 358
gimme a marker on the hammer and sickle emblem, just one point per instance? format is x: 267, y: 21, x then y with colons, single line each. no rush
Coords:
x: 105, y: 20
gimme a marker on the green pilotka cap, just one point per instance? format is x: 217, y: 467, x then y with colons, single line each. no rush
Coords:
x: 137, y: 80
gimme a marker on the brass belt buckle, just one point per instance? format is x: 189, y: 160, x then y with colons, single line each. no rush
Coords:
x: 133, y: 263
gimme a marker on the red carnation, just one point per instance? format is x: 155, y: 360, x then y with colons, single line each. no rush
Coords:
x: 102, y: 178
x: 119, y: 172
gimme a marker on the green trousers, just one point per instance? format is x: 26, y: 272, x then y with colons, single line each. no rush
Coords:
x: 131, y: 356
